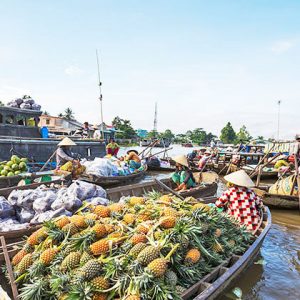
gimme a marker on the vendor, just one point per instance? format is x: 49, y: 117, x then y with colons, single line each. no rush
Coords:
x: 281, y: 162
x: 63, y: 152
x: 240, y: 201
x: 183, y: 176
x: 133, y: 159
x: 203, y: 160
x: 112, y: 148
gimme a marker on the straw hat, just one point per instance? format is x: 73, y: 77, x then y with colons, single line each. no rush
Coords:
x: 66, y: 142
x: 240, y: 178
x: 181, y: 159
x: 207, y: 151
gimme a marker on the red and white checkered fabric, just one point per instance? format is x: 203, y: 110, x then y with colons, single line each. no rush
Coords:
x: 242, y: 203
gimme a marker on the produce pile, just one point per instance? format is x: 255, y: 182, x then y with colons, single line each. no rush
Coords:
x: 151, y: 247
x: 75, y: 168
x: 13, y: 167
x: 25, y: 207
x: 24, y: 103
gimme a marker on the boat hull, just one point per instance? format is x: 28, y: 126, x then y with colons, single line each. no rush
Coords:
x: 39, y: 150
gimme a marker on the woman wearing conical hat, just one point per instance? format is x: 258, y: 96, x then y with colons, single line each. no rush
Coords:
x: 183, y: 176
x: 240, y: 201
x: 63, y: 152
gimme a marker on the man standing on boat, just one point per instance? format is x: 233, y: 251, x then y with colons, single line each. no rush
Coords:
x: 63, y: 152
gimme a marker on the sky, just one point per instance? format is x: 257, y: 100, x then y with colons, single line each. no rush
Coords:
x: 204, y: 62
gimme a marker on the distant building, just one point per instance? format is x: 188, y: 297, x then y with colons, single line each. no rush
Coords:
x: 58, y: 125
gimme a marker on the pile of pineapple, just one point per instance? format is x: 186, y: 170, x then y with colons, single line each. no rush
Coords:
x: 151, y: 247
x: 75, y: 168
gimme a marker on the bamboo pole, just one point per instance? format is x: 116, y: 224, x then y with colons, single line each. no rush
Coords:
x: 265, y: 164
x: 9, y: 269
x: 46, y: 163
x: 258, y: 176
x: 297, y: 176
x: 159, y: 152
x: 150, y: 145
x: 261, y: 161
x: 168, y: 189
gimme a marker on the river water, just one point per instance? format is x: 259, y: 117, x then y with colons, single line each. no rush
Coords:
x: 275, y: 273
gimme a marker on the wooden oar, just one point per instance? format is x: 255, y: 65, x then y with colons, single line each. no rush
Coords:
x: 168, y: 189
x: 46, y: 163
x: 159, y: 152
x: 150, y: 145
x: 261, y: 161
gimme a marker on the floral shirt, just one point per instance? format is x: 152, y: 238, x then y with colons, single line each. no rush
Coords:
x: 243, y: 204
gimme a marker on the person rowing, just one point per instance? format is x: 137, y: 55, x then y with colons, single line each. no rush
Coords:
x: 63, y: 152
x: 133, y: 159
x: 183, y: 176
x: 240, y: 201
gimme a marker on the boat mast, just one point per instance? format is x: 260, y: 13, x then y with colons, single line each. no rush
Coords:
x: 100, y: 96
x: 155, y: 121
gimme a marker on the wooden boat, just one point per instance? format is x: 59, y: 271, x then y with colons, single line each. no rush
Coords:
x: 109, y: 181
x: 207, y: 187
x: 187, y: 145
x: 170, y: 166
x: 215, y: 283
x: 277, y: 201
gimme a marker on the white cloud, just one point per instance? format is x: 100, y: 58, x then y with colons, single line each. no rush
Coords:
x: 73, y: 70
x: 282, y: 46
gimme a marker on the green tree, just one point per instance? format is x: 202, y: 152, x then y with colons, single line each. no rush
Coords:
x: 46, y: 113
x: 125, y: 126
x: 152, y: 134
x: 168, y: 134
x: 260, y: 137
x: 198, y: 136
x: 228, y: 135
x: 243, y: 134
x: 68, y: 114
x: 180, y: 138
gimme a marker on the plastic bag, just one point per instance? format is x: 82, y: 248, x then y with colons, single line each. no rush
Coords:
x: 6, y: 209
x: 101, y: 167
x: 24, y: 215
x: 25, y: 106
x: 36, y: 107
x: 44, y: 201
x: 98, y: 201
x: 29, y: 101
x: 48, y: 215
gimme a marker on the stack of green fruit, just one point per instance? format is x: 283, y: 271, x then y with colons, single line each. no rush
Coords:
x: 13, y: 167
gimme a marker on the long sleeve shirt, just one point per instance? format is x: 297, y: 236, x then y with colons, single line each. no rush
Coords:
x: 63, y: 156
x: 243, y: 205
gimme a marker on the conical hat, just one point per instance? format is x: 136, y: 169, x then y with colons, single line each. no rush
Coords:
x: 181, y: 159
x: 240, y: 178
x: 66, y: 142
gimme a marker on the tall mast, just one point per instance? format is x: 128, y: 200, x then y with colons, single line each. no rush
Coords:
x: 155, y: 120
x: 100, y: 95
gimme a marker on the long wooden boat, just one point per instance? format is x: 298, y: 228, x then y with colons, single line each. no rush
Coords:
x: 208, y: 185
x: 278, y: 201
x: 215, y: 283
x: 109, y: 181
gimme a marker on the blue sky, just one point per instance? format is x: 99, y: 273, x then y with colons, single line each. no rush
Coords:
x: 204, y: 62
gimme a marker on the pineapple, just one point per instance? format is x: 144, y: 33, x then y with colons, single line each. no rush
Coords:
x: 99, y: 230
x: 171, y: 278
x: 217, y: 247
x: 138, y: 238
x: 231, y: 243
x: 170, y: 212
x: 129, y: 219
x: 37, y: 237
x: 179, y: 289
x: 158, y: 267
x: 102, y: 211
x: 60, y: 223
x: 133, y: 297
x: 71, y: 261
x: 100, y: 247
x: 167, y: 222
x: 136, y: 249
x: 116, y: 207
x: 147, y: 255
x: 218, y: 232
x: 136, y: 201
x: 24, y: 264
x: 70, y: 228
x: 100, y: 296
x: 192, y: 256
x: 166, y: 198
x: 85, y: 257
x: 91, y: 269
x: 79, y: 221
x: 201, y: 206
x: 47, y: 256
x: 109, y: 228
x: 143, y: 228
x: 18, y: 257
x: 100, y: 283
